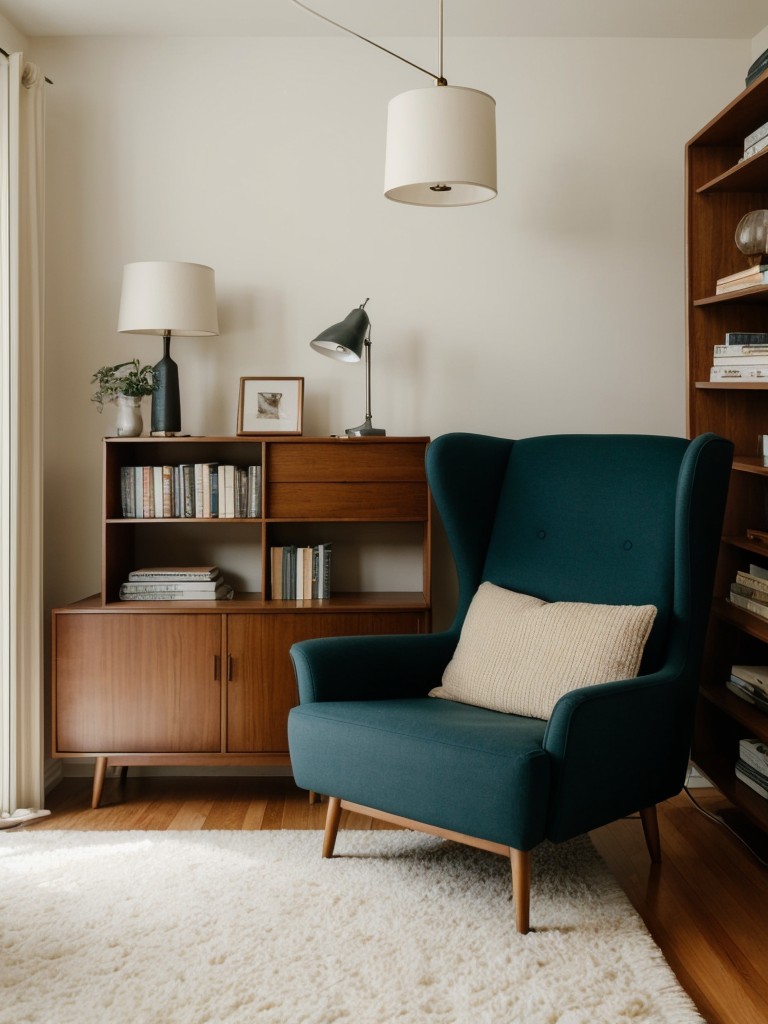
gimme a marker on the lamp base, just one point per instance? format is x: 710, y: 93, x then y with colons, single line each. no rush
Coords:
x: 365, y: 430
x: 166, y: 402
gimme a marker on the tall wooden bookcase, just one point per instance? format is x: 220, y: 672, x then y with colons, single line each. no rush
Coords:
x: 211, y: 683
x: 720, y: 189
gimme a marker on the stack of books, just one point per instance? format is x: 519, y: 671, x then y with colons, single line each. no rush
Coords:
x: 750, y: 682
x: 755, y: 141
x: 750, y: 591
x: 742, y: 357
x: 183, y: 583
x: 202, y: 490
x: 752, y: 766
x: 749, y: 278
x: 300, y: 574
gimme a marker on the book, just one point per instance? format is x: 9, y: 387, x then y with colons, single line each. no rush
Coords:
x: 755, y: 675
x: 746, y: 338
x: 755, y: 753
x: 736, y: 352
x: 148, y: 492
x: 756, y: 607
x: 276, y: 557
x: 741, y: 274
x: 745, y: 591
x: 127, y: 493
x: 174, y: 572
x: 754, y: 148
x: 751, y: 778
x: 157, y: 492
x: 201, y: 587
x: 746, y: 282
x: 188, y: 477
x: 224, y: 592
x: 756, y: 135
x: 745, y: 373
x: 747, y: 693
x: 167, y: 491
x: 747, y: 579
x: 759, y: 571
x: 739, y: 361
x: 254, y: 492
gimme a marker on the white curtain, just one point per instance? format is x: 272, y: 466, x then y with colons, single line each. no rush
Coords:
x: 22, y: 208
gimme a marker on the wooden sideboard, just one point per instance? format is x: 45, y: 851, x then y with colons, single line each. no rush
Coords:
x: 210, y: 682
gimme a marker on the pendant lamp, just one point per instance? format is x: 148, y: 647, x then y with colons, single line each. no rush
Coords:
x: 441, y: 142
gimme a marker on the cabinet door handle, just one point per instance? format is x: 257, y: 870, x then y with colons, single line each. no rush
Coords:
x: 216, y: 668
x: 230, y: 662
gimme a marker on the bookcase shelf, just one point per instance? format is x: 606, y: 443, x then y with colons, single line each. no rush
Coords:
x: 721, y: 188
x: 210, y: 682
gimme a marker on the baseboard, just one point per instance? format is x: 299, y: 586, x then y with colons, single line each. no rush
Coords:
x: 53, y: 773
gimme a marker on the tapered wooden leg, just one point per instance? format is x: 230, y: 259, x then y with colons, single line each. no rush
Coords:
x: 99, y: 773
x: 651, y: 831
x: 332, y: 819
x: 521, y: 888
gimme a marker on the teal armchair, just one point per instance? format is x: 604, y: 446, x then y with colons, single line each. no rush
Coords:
x: 600, y: 519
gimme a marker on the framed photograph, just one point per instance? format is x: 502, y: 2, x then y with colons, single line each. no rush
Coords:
x: 270, y: 405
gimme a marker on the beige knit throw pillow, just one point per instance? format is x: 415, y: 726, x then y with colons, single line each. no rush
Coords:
x: 519, y: 654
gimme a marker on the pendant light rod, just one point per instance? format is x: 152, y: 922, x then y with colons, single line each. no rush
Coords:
x: 437, y: 77
x: 440, y: 80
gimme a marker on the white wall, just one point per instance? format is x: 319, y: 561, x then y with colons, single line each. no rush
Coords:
x: 559, y: 306
x: 10, y: 38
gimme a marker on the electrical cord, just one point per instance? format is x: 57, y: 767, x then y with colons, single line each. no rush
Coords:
x: 719, y: 821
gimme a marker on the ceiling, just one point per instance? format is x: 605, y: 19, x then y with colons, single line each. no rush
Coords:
x: 719, y: 19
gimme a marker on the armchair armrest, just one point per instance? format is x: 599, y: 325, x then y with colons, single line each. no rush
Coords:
x: 616, y: 748
x: 371, y: 667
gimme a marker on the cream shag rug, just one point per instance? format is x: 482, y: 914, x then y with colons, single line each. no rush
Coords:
x: 199, y: 927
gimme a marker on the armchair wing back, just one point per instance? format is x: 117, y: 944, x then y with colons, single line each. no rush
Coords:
x: 597, y: 519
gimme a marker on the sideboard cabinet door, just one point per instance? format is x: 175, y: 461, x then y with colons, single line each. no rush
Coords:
x: 128, y: 682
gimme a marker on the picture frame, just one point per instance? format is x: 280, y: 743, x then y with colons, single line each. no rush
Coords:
x: 270, y: 405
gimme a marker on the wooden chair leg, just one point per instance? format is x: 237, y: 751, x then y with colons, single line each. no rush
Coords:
x: 332, y: 819
x: 99, y: 774
x: 651, y: 831
x: 521, y: 888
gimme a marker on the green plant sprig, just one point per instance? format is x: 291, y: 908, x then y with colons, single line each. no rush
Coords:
x: 116, y: 380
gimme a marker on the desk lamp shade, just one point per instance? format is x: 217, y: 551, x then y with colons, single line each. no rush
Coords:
x: 346, y: 342
x: 168, y: 298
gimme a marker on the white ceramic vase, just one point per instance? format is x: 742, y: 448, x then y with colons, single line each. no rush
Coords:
x: 129, y: 421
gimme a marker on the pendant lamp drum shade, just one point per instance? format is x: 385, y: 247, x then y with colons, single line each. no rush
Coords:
x: 441, y: 147
x: 168, y: 298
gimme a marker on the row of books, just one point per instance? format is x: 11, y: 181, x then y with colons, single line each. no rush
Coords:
x: 755, y: 141
x: 170, y: 583
x: 750, y: 683
x: 752, y: 766
x: 749, y: 278
x: 300, y: 573
x: 750, y: 591
x: 742, y: 357
x: 202, y: 490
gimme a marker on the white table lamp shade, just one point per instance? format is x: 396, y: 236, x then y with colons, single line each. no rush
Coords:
x: 446, y: 136
x: 167, y: 297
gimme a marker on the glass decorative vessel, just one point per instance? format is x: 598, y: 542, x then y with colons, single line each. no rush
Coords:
x: 752, y: 235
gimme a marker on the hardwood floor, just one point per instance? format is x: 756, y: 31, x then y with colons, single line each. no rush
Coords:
x: 706, y: 905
